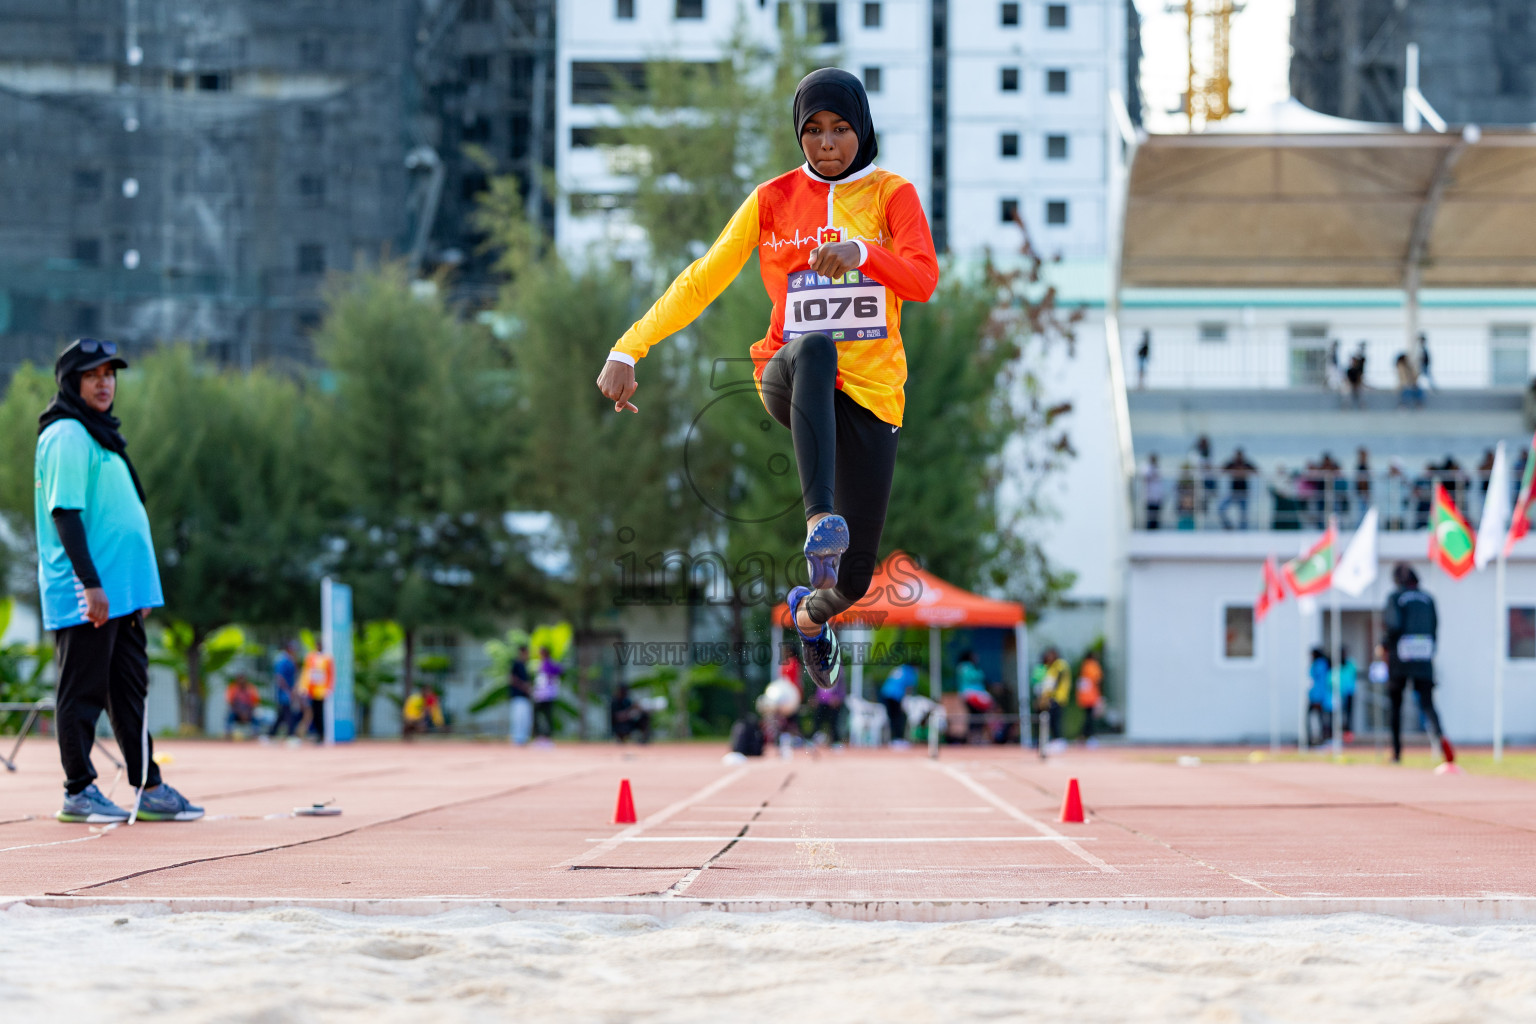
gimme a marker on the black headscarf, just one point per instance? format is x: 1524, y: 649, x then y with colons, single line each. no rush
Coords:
x: 68, y: 405
x: 836, y: 90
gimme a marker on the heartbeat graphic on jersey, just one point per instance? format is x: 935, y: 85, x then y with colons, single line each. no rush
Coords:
x: 774, y: 241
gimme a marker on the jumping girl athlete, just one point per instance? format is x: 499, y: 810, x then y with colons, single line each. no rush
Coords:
x: 841, y: 244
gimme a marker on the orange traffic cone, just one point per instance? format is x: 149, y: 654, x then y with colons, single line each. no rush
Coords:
x: 624, y: 813
x: 1072, y: 804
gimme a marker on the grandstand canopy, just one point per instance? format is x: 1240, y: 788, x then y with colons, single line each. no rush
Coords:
x: 1303, y: 200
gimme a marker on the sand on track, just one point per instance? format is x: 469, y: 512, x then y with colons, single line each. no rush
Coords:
x: 1077, y: 965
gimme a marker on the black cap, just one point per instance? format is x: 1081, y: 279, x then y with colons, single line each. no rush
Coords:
x: 86, y: 354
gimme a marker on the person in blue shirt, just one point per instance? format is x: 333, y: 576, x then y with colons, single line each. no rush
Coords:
x: 98, y: 579
x: 1320, y: 699
x: 901, y: 681
x: 285, y: 687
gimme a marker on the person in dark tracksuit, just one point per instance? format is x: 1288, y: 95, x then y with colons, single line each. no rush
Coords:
x: 98, y: 579
x: 1411, y: 625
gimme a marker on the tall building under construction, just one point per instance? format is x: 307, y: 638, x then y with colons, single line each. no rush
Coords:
x: 1477, y: 62
x: 192, y: 169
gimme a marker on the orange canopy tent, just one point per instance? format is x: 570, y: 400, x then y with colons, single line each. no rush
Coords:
x: 903, y: 595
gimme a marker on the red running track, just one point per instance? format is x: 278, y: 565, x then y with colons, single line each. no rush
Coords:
x: 863, y: 833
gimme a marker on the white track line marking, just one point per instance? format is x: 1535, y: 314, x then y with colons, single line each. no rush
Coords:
x: 604, y: 846
x: 1017, y: 815
x: 831, y: 839
x: 56, y: 842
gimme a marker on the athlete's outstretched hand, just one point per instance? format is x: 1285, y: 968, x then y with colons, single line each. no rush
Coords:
x: 617, y: 383
x: 835, y: 259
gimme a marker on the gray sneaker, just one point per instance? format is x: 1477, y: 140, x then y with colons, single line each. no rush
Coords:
x: 90, y: 807
x: 165, y: 804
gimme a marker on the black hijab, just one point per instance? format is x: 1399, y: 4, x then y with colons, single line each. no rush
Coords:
x: 842, y: 93
x: 68, y: 405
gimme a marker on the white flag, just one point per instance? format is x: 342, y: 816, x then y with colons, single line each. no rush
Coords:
x: 1356, y: 571
x: 1495, y: 521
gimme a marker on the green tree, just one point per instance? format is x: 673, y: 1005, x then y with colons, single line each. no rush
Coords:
x: 416, y: 435
x: 228, y: 471
x: 29, y: 392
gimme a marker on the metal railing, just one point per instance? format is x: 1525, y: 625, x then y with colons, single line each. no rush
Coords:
x: 1241, y: 359
x: 1302, y: 500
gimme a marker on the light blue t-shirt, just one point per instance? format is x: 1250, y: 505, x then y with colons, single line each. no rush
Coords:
x: 73, y: 471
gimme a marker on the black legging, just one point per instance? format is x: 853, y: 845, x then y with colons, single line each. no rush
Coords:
x: 1426, y: 691
x: 846, y: 456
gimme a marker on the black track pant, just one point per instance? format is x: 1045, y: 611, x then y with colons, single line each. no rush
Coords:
x: 1396, y: 687
x: 846, y: 456
x: 102, y: 669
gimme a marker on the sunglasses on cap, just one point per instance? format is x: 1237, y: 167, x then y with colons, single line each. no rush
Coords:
x: 90, y: 346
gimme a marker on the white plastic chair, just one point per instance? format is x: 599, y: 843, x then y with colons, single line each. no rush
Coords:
x: 867, y: 723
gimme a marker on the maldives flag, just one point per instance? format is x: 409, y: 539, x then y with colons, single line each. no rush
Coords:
x: 1520, y: 523
x: 1273, y: 593
x: 1450, y: 538
x: 1312, y: 573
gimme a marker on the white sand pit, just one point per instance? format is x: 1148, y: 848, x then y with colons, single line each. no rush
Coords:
x: 481, y: 965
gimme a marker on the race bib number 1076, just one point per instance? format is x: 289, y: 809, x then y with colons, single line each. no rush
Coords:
x: 847, y: 308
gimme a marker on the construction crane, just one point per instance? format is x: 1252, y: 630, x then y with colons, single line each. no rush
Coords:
x: 1207, y: 96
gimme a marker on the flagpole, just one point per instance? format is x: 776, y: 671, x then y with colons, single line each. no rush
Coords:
x: 1274, y: 691
x: 1338, y: 676
x: 1306, y: 672
x: 1500, y: 629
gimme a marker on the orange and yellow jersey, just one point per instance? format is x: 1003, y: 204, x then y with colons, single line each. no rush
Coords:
x: 783, y: 220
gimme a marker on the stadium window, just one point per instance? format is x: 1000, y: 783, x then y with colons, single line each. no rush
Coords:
x: 690, y: 10
x: 212, y: 81
x: 1237, y: 632
x: 1214, y: 331
x: 1008, y: 144
x: 311, y: 258
x: 624, y: 10
x: 87, y: 186
x: 87, y: 318
x: 476, y: 67
x: 1055, y: 147
x: 307, y: 322
x: 86, y: 251
x: 1009, y: 15
x: 312, y: 125
x: 583, y: 138
x: 1055, y: 15
x: 312, y: 190
x: 1056, y: 80
x: 1008, y: 211
x: 872, y: 15
x: 1056, y: 211
x: 871, y: 79
x: 312, y: 52
x: 478, y: 130
x: 821, y: 19
x: 1522, y: 633
x: 1009, y: 80
x: 593, y: 81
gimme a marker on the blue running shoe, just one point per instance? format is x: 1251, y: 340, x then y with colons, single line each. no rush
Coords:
x: 824, y: 550
x: 91, y: 807
x: 165, y: 804
x: 822, y: 657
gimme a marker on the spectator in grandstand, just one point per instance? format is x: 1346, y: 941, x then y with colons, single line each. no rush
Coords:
x: 1287, y: 505
x: 1143, y: 357
x: 1205, y: 468
x: 1363, y: 478
x: 1333, y: 378
x: 1239, y: 470
x: 1184, y: 500
x: 1408, y: 391
x: 1154, y: 490
x: 1354, y: 376
x: 1425, y: 378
